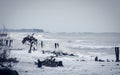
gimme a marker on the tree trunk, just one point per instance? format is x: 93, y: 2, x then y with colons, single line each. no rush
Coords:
x: 30, y: 48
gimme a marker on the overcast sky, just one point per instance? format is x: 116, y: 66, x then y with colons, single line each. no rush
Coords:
x: 62, y: 15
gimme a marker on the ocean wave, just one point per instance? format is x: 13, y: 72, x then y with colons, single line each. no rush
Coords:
x: 91, y: 47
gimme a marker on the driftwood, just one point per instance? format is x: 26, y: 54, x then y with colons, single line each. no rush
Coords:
x: 14, y: 60
x: 50, y: 62
x: 8, y: 61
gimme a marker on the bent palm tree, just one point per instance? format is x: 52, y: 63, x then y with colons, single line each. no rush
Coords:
x: 31, y: 41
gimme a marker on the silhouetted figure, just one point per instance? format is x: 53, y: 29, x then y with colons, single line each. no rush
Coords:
x: 117, y: 53
x: 96, y: 58
x: 39, y: 63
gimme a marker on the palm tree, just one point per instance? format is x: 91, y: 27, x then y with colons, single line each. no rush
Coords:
x: 30, y: 40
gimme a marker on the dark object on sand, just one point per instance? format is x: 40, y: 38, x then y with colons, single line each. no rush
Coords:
x: 100, y: 60
x: 9, y: 62
x: 39, y: 63
x: 102, y: 65
x: 117, y: 54
x: 50, y: 62
x: 117, y: 64
x: 59, y: 63
x: 43, y: 52
x: 71, y: 55
x: 108, y: 60
x: 62, y: 54
x: 82, y: 60
x: 14, y: 60
x: 6, y: 71
x: 96, y: 58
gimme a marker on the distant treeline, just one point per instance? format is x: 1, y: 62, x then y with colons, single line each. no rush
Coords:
x: 24, y: 30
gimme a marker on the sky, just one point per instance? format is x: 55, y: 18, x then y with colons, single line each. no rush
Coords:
x: 61, y: 15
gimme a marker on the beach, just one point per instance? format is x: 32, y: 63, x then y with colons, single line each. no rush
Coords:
x: 84, y: 46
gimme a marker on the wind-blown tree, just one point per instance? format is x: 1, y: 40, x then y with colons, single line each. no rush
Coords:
x: 31, y: 41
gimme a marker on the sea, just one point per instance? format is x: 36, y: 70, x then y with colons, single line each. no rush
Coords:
x: 85, y: 42
x: 74, y: 42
